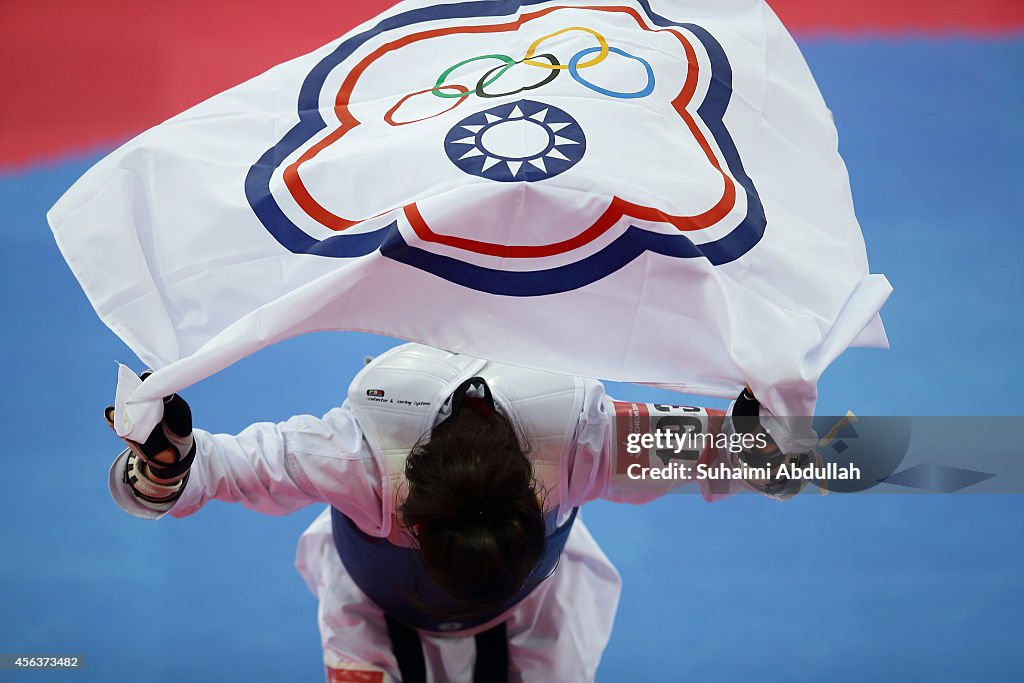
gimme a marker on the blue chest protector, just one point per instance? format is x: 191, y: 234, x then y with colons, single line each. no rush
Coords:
x: 394, y: 578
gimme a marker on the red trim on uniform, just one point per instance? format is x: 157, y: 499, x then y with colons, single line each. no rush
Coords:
x: 630, y: 418
x: 352, y: 676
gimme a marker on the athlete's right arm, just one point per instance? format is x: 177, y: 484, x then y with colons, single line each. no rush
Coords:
x: 273, y: 468
x: 635, y: 452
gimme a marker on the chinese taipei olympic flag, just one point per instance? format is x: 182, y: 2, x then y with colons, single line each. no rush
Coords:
x: 634, y: 190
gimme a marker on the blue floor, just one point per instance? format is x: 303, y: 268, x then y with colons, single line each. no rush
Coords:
x: 840, y: 588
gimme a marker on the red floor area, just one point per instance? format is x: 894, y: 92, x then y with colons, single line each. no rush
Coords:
x: 890, y: 16
x: 80, y: 75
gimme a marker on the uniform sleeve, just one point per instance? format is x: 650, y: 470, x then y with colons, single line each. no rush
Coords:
x: 599, y: 466
x: 276, y: 469
x: 592, y: 464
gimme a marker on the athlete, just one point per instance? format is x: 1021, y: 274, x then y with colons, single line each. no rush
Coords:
x: 451, y: 548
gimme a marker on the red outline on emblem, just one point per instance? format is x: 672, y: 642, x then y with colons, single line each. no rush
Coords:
x: 616, y: 209
x: 389, y: 117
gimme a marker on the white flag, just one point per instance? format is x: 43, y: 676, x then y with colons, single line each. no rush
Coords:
x: 639, y: 191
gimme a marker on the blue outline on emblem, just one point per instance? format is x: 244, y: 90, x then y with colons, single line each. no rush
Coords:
x: 621, y: 251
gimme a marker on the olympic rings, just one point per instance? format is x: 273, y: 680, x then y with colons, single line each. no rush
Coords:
x: 553, y: 61
x: 544, y: 60
x: 509, y: 62
x: 389, y: 117
x: 643, y: 92
x: 593, y: 62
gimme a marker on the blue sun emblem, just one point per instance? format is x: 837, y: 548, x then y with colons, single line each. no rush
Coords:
x: 522, y: 141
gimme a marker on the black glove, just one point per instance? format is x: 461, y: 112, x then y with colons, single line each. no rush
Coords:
x: 165, y: 456
x: 745, y: 417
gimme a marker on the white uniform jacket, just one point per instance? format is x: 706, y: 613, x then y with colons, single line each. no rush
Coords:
x: 279, y: 468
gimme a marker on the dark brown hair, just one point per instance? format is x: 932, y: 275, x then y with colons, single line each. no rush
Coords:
x: 472, y: 506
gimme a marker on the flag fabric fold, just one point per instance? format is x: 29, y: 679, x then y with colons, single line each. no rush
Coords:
x: 632, y: 190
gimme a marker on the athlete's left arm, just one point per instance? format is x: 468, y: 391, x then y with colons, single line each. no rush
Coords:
x: 635, y: 452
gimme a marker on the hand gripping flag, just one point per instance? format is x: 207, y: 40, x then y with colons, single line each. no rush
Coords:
x: 630, y: 189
